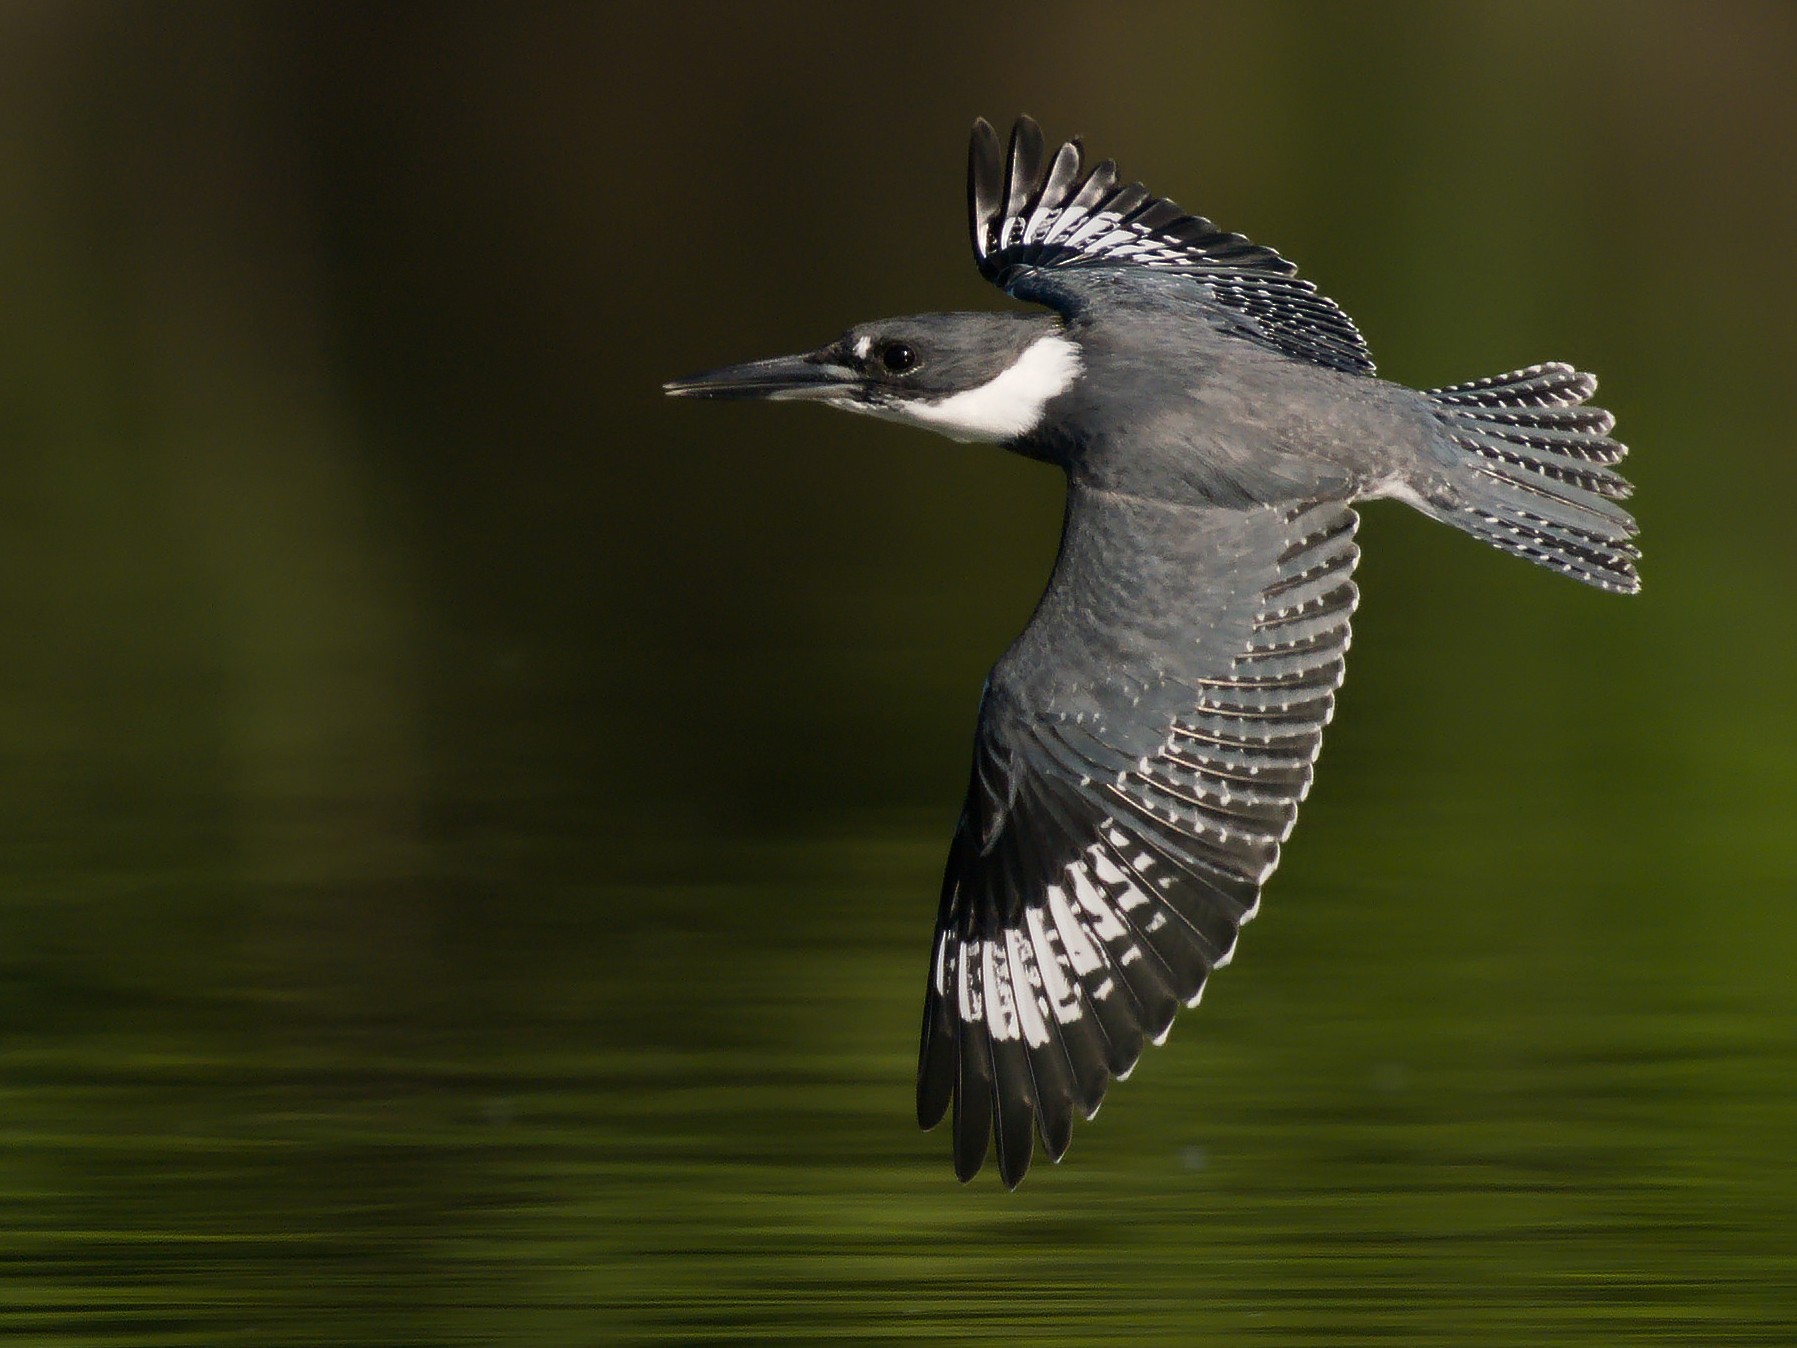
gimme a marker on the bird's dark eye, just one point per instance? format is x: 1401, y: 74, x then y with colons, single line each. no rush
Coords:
x: 897, y: 357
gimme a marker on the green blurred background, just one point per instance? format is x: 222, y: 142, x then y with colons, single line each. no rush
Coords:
x: 471, y: 825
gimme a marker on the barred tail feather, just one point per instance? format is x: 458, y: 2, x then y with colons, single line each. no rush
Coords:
x: 1532, y: 473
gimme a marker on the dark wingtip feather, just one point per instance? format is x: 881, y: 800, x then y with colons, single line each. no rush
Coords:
x: 1057, y: 1131
x: 1063, y: 176
x: 935, y: 1063
x: 973, y: 1102
x: 1023, y: 173
x: 1015, y: 1135
x: 985, y: 173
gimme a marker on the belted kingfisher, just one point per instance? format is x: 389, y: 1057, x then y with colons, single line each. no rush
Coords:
x: 1143, y: 746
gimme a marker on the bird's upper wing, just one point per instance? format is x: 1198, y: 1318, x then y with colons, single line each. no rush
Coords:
x: 1038, y: 220
x: 1141, y: 753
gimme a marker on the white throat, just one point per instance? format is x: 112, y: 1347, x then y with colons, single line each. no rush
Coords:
x: 1002, y: 408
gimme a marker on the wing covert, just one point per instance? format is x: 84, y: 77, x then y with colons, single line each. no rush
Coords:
x: 1035, y: 219
x: 1119, y: 826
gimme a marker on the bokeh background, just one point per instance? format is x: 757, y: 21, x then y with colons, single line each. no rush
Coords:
x: 471, y: 826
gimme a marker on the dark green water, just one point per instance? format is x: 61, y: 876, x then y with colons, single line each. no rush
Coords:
x: 471, y: 829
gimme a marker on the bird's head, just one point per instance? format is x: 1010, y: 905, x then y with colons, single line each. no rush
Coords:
x: 967, y: 376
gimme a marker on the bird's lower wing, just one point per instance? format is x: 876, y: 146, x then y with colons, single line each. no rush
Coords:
x: 1120, y: 823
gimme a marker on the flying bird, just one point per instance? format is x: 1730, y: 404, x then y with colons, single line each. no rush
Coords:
x: 1143, y: 746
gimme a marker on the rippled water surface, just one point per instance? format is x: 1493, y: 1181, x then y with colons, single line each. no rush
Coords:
x: 494, y: 1100
x: 470, y: 828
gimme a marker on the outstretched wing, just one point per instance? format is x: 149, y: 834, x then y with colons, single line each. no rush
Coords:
x: 1141, y: 753
x: 1033, y: 218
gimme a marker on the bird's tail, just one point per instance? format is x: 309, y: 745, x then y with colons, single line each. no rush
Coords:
x: 1529, y: 471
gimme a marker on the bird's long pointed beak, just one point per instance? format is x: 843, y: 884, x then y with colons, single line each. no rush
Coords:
x: 814, y: 375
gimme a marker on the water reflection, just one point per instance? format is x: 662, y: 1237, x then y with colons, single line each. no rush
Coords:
x: 693, y: 1118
